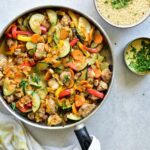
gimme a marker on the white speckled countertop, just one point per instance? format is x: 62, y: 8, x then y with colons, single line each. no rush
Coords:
x: 123, y: 122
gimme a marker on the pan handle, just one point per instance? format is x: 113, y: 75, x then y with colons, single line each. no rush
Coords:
x: 83, y: 136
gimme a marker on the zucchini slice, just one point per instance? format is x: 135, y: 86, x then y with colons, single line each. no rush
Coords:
x: 92, y: 60
x: 36, y: 101
x: 52, y: 15
x: 83, y: 26
x: 73, y: 117
x: 36, y: 81
x: 35, y: 22
x: 30, y: 45
x: 65, y: 50
x: 42, y: 93
x: 81, y: 66
x: 83, y: 75
x: 8, y: 88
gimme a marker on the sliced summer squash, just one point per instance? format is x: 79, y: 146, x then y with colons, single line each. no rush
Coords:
x: 92, y: 60
x: 36, y: 81
x: 42, y: 93
x: 83, y: 26
x: 30, y: 45
x: 73, y: 117
x: 52, y: 15
x: 36, y: 101
x: 35, y: 22
x: 8, y: 88
x: 83, y: 75
x: 65, y: 49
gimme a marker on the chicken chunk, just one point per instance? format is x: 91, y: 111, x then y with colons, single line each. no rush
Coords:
x: 3, y: 61
x: 50, y: 106
x: 106, y: 75
x: 86, y: 109
x: 53, y: 84
x: 10, y: 98
x: 54, y: 120
x: 65, y: 21
x: 102, y: 86
x: 40, y: 51
x: 65, y: 77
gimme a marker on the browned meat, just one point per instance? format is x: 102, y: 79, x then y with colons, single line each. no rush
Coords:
x: 102, y: 86
x: 10, y: 98
x: 65, y: 21
x: 106, y: 75
x: 50, y: 106
x: 86, y: 109
x: 54, y: 120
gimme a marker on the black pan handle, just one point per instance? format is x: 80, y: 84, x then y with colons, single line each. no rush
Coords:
x: 83, y: 136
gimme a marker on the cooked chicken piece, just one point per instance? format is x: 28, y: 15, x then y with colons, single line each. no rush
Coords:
x: 3, y: 61
x: 17, y: 52
x: 54, y: 120
x: 77, y: 75
x: 10, y: 42
x: 31, y: 116
x: 93, y: 98
x: 53, y: 84
x: 86, y: 109
x: 46, y: 23
x: 65, y: 76
x: 9, y: 99
x: 65, y: 21
x: 40, y: 51
x: 96, y: 82
x: 106, y: 75
x: 91, y: 73
x: 102, y: 86
x: 50, y: 106
x: 99, y: 48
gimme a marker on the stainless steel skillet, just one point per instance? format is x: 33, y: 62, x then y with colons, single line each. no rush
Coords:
x: 80, y: 129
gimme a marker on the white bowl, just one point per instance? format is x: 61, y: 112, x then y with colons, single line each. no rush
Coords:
x: 122, y: 26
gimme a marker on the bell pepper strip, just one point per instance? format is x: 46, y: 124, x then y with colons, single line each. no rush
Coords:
x: 96, y: 93
x: 28, y: 105
x: 91, y: 50
x: 24, y: 32
x: 24, y: 38
x: 85, y: 52
x: 25, y: 64
x: 64, y: 93
x: 14, y: 31
x: 8, y: 35
x: 43, y: 29
x: 58, y: 91
x: 74, y: 42
x: 72, y: 66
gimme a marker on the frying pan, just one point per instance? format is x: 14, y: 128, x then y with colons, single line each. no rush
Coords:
x: 80, y: 130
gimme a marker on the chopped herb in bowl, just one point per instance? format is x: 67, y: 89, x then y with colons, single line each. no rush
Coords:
x: 137, y: 56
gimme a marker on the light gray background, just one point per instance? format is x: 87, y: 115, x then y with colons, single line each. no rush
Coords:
x: 123, y: 122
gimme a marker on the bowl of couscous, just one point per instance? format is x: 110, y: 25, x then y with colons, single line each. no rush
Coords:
x: 123, y: 13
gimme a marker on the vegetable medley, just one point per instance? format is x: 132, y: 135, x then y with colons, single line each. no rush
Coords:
x: 51, y: 66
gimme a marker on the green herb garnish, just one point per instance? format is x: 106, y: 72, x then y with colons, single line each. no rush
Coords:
x: 141, y: 58
x: 23, y: 84
x: 13, y: 106
x: 35, y: 79
x: 117, y: 4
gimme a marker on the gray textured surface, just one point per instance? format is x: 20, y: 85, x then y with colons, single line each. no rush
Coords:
x: 123, y: 122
